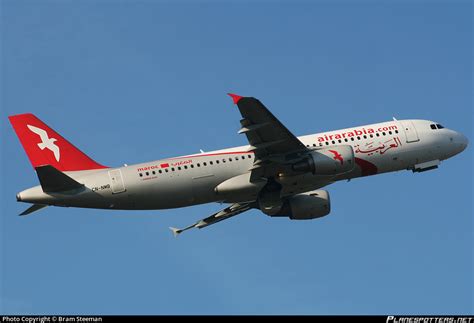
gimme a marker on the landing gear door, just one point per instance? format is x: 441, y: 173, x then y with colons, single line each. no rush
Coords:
x: 410, y: 131
x: 116, y: 181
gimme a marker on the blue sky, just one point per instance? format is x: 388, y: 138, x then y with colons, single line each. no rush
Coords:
x: 132, y: 81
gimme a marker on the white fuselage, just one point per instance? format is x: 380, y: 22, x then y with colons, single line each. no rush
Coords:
x: 188, y: 180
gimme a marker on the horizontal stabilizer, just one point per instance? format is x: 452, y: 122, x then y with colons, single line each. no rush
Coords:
x: 33, y: 208
x: 53, y: 180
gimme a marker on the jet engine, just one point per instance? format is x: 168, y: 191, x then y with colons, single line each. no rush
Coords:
x: 306, y: 206
x: 327, y: 161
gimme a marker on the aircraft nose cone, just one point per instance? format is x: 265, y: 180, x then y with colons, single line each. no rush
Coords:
x: 462, y: 141
x: 18, y: 197
x: 459, y: 142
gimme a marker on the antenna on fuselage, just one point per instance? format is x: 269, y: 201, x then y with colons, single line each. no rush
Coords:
x: 394, y: 119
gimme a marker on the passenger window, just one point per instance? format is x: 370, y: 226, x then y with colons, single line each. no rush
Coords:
x: 339, y: 141
x: 223, y: 160
x: 204, y: 164
x: 198, y: 165
x: 166, y: 170
x: 345, y: 139
x: 141, y: 175
x: 396, y: 131
x: 371, y: 136
x: 314, y: 145
x: 172, y: 169
x: 179, y: 167
x: 352, y: 138
x: 236, y: 158
x: 160, y: 171
x: 153, y: 172
x: 192, y: 166
x: 327, y: 143
x: 439, y: 126
x: 185, y: 167
x: 320, y: 144
x: 210, y: 163
x: 383, y: 133
x: 389, y: 132
x: 358, y: 137
x: 249, y: 156
x: 243, y: 157
x: 377, y: 134
x: 365, y: 137
x: 147, y: 174
x: 230, y: 159
x: 217, y: 162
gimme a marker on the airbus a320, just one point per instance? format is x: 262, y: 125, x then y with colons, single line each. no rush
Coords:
x: 278, y: 173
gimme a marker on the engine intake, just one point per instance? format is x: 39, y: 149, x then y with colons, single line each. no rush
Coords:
x: 328, y: 161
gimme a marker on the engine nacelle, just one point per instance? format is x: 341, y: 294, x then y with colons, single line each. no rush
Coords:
x: 328, y: 161
x: 306, y: 206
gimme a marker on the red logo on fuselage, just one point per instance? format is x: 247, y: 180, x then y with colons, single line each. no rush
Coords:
x: 337, y: 156
x: 183, y: 162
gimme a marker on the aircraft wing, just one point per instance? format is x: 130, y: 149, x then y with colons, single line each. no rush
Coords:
x: 224, y: 214
x: 273, y: 144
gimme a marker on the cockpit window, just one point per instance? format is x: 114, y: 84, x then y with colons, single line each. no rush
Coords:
x: 439, y: 126
x: 433, y: 126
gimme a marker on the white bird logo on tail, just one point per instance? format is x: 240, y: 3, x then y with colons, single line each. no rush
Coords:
x: 46, y: 142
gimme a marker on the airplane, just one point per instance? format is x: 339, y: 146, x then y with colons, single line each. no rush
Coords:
x: 278, y: 173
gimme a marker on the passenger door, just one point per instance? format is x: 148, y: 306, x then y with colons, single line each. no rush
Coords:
x: 116, y: 181
x: 410, y: 131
